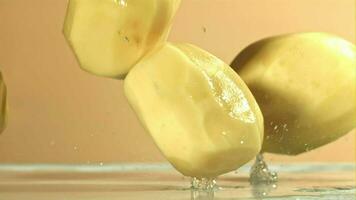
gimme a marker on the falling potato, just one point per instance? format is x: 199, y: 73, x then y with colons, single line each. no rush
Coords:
x: 199, y: 112
x: 196, y: 108
x: 305, y: 86
x: 109, y: 37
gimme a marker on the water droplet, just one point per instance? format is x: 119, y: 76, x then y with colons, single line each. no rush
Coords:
x: 52, y: 143
x: 122, y: 3
x: 307, y: 148
x: 242, y: 142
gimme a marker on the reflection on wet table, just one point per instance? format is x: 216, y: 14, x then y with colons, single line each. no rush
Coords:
x: 160, y: 181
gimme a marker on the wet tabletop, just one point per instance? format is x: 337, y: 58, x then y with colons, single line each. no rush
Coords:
x: 160, y: 181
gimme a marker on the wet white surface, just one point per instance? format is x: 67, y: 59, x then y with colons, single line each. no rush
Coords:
x: 160, y: 181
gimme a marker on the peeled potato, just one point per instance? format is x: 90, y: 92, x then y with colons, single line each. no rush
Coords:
x: 305, y: 85
x: 199, y: 112
x: 3, y: 104
x: 110, y: 36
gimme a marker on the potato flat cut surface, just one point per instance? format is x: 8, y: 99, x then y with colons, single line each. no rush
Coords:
x: 109, y: 37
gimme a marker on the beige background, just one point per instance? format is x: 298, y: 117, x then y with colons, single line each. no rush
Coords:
x: 59, y: 113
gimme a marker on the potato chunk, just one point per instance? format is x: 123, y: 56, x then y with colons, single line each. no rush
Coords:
x: 199, y: 112
x: 109, y: 37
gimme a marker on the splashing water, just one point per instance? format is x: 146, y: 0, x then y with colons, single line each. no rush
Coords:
x: 203, y: 188
x: 260, y: 174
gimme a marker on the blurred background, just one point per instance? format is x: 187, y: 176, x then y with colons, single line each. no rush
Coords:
x: 61, y: 114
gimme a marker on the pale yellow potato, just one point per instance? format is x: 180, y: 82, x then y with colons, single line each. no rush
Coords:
x: 199, y: 112
x: 3, y: 104
x: 109, y: 37
x: 305, y: 85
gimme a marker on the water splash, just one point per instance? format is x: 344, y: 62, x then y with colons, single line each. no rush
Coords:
x: 262, y: 180
x: 262, y: 190
x: 260, y: 174
x: 203, y: 188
